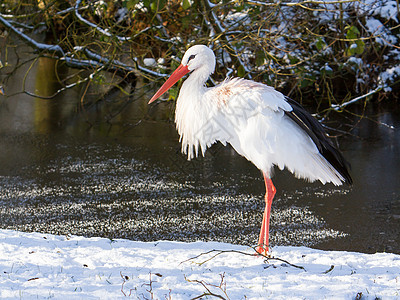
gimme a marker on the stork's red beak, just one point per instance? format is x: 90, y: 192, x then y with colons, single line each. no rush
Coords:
x: 178, y: 74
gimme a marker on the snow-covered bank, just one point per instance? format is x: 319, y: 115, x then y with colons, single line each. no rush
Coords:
x: 36, y: 265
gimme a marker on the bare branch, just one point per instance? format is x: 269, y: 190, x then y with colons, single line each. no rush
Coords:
x: 207, y: 286
x: 97, y: 28
x: 219, y: 252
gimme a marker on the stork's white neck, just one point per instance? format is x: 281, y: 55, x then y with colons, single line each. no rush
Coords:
x: 191, y: 111
x: 193, y: 88
x: 198, y: 78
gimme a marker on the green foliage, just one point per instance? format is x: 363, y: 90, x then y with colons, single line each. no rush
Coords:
x: 260, y: 58
x: 320, y: 44
x: 185, y: 4
x: 130, y: 4
x: 173, y: 92
x: 241, y: 72
x: 356, y: 45
x: 154, y: 5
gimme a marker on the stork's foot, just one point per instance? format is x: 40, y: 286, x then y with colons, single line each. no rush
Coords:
x: 262, y: 250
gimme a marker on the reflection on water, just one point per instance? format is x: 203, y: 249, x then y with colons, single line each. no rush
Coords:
x: 64, y: 170
x: 45, y: 112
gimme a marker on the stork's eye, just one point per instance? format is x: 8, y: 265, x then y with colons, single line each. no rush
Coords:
x: 191, y: 57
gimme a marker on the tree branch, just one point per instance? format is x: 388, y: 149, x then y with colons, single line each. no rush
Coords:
x: 99, y: 29
x: 95, y: 61
x: 220, y: 30
x: 219, y: 252
x: 340, y: 106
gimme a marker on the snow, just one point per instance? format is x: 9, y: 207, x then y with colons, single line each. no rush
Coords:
x: 149, y: 62
x: 233, y: 20
x: 382, y: 35
x: 385, y: 9
x: 37, y: 266
x: 389, y: 76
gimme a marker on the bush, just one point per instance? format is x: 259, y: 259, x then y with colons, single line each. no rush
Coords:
x: 324, y: 52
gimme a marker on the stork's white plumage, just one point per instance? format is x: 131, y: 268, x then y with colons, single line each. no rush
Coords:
x: 259, y: 122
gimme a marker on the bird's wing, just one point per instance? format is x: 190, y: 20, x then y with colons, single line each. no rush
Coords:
x: 248, y: 94
x: 316, y: 132
x: 270, y: 129
x: 247, y: 115
x: 234, y: 102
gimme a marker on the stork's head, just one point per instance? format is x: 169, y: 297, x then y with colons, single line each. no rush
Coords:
x: 198, y: 58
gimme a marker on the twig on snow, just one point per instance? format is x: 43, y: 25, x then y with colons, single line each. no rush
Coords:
x: 219, y: 252
x: 221, y: 286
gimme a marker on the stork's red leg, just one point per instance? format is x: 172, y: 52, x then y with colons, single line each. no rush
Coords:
x: 262, y: 246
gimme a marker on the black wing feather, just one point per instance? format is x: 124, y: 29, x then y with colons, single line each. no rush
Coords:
x: 315, y: 131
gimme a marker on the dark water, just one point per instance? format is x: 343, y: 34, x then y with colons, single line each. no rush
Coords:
x: 114, y: 169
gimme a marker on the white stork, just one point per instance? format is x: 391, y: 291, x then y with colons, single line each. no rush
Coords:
x: 260, y: 123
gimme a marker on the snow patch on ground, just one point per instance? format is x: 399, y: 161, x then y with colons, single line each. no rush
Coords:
x: 35, y: 265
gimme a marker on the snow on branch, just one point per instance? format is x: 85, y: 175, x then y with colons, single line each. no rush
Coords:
x: 219, y: 29
x: 340, y: 106
x: 99, y: 29
x: 300, y: 3
x: 95, y: 60
x: 56, y: 49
